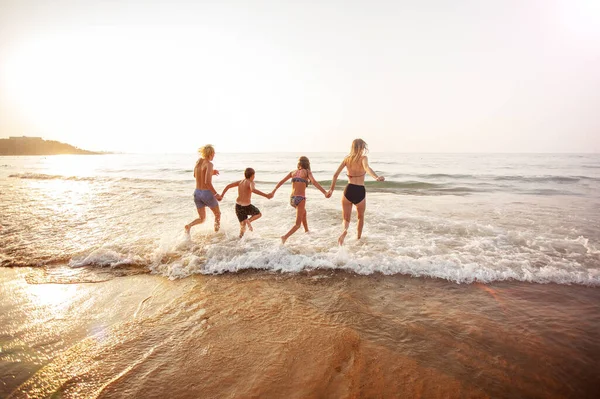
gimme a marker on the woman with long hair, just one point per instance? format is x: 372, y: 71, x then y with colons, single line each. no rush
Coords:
x: 357, y: 166
x: 301, y: 177
x: 205, y: 194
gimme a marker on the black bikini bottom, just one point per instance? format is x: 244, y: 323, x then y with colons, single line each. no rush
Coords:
x: 355, y: 193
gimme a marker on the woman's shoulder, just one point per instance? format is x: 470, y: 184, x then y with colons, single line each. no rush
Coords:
x: 350, y: 162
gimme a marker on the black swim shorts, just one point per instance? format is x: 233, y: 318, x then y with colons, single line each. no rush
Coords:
x: 242, y: 212
x: 355, y: 193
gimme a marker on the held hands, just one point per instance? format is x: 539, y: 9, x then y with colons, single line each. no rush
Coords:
x: 380, y: 178
x: 219, y: 197
x: 270, y: 195
x: 328, y: 194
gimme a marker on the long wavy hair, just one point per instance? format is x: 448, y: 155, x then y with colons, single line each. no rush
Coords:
x: 304, y: 163
x: 357, y: 150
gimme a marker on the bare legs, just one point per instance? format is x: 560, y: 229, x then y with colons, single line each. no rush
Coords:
x: 248, y: 223
x: 305, y: 223
x: 202, y: 217
x: 300, y: 219
x: 217, y: 212
x: 360, y: 211
x: 347, y: 213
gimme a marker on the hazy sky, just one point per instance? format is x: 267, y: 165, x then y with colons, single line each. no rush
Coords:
x: 408, y: 76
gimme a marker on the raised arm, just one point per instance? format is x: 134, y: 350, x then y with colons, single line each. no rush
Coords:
x: 232, y: 185
x: 336, y: 175
x: 365, y: 163
x: 316, y: 183
x: 286, y: 178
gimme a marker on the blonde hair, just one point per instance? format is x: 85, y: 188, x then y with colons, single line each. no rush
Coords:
x: 207, y: 151
x: 357, y: 150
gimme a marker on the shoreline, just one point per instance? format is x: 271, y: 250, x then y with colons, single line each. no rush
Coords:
x: 55, y: 273
x: 319, y: 334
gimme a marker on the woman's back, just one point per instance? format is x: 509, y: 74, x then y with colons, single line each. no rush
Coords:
x: 355, y: 170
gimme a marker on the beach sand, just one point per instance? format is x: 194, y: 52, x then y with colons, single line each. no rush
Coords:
x: 312, y: 335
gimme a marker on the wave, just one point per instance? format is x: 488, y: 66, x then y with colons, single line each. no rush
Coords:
x: 543, y: 179
x: 407, y: 187
x: 42, y: 176
x: 516, y: 178
x: 181, y: 258
x: 416, y: 187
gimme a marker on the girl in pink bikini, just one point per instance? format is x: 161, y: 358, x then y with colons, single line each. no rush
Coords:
x: 301, y: 177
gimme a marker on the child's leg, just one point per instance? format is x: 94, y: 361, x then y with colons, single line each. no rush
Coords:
x: 300, y: 214
x: 242, y: 228
x: 201, y: 218
x: 252, y: 219
x: 305, y: 223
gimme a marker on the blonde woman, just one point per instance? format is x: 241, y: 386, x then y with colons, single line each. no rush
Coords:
x: 205, y: 194
x: 301, y: 177
x: 357, y: 166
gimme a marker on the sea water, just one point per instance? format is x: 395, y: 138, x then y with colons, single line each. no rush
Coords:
x: 460, y: 217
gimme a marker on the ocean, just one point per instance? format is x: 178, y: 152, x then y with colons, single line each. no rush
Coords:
x: 460, y: 217
x: 476, y: 276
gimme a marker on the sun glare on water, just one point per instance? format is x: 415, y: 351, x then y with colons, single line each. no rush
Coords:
x: 56, y: 298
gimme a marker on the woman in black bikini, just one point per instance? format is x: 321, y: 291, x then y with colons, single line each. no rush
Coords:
x: 357, y: 166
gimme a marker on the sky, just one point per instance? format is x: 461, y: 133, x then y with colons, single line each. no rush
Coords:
x: 406, y: 76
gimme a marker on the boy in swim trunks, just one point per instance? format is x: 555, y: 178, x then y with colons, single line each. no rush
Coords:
x: 243, y: 207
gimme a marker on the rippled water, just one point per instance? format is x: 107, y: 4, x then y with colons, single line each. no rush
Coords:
x: 460, y: 217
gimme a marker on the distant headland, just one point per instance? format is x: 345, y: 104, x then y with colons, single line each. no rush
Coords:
x: 37, y: 146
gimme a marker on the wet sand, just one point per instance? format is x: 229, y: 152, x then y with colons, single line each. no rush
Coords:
x: 313, y: 335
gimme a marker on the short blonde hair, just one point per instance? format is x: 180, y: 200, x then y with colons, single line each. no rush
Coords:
x: 207, y: 151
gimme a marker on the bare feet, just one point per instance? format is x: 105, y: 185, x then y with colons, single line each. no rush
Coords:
x: 342, y: 237
x: 249, y: 225
x: 283, y: 239
x: 187, y: 229
x: 217, y: 226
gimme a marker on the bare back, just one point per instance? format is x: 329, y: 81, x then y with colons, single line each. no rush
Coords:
x: 202, y: 174
x: 245, y: 192
x: 299, y: 187
x: 356, y: 171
